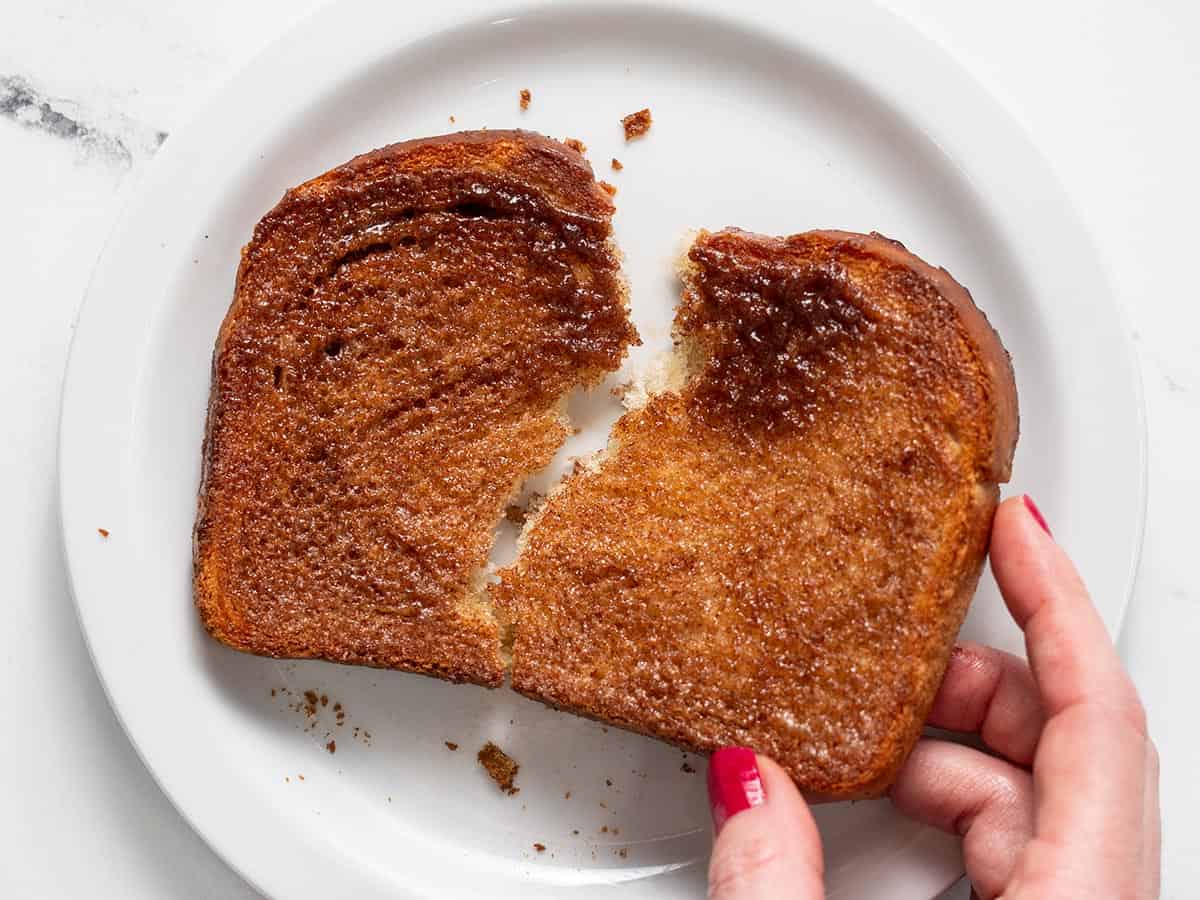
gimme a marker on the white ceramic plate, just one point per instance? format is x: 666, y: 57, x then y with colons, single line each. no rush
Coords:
x: 800, y: 116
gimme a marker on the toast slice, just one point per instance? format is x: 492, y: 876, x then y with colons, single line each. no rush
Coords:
x: 778, y: 548
x: 403, y: 335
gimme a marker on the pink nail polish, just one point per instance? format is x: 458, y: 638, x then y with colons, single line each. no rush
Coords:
x: 733, y: 783
x: 1037, y: 514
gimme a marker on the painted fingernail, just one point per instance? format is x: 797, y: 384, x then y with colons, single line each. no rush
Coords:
x: 1037, y: 514
x: 733, y: 784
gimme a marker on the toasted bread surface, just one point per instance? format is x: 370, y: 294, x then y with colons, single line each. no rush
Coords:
x: 779, y: 551
x: 403, y: 333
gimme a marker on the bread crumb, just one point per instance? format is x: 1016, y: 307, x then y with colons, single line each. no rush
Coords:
x: 500, y: 766
x: 539, y: 847
x: 525, y: 98
x: 622, y: 390
x: 450, y: 745
x: 452, y: 120
x: 272, y: 692
x: 310, y: 703
x: 636, y: 124
x: 331, y: 746
x: 324, y: 700
x: 103, y: 532
x: 608, y: 782
x: 604, y: 829
x: 301, y: 777
x: 623, y: 852
x: 567, y: 795
x: 517, y: 513
x: 575, y: 144
x: 617, y: 164
x: 609, y: 189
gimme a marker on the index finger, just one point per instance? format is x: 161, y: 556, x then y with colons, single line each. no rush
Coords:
x: 1070, y: 652
x: 1092, y: 762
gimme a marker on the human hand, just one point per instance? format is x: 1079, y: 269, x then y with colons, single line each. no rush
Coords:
x: 1066, y: 807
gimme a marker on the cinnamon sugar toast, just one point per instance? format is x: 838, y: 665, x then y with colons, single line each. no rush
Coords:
x: 404, y: 332
x: 777, y: 549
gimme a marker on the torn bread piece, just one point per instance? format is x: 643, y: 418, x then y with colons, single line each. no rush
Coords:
x: 404, y: 333
x: 781, y: 541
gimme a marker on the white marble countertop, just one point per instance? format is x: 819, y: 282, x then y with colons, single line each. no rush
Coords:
x: 88, y: 91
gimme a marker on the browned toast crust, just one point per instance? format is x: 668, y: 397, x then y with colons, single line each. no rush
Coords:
x: 403, y: 331
x: 780, y: 552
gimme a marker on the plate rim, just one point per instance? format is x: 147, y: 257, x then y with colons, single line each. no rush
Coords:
x: 451, y: 13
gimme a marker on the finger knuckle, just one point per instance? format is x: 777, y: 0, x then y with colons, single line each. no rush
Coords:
x: 1009, y: 791
x: 1127, y: 705
x: 1137, y: 712
x: 1003, y: 796
x: 737, y: 863
x: 970, y: 683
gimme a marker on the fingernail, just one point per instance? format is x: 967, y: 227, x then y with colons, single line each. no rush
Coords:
x: 1037, y: 514
x: 733, y: 784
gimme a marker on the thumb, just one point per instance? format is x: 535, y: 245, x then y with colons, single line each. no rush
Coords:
x: 767, y: 846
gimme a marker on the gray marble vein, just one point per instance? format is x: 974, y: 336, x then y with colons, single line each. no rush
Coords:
x: 114, y: 137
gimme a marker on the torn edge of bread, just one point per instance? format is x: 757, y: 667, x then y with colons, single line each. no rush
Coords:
x: 478, y: 596
x: 667, y: 373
